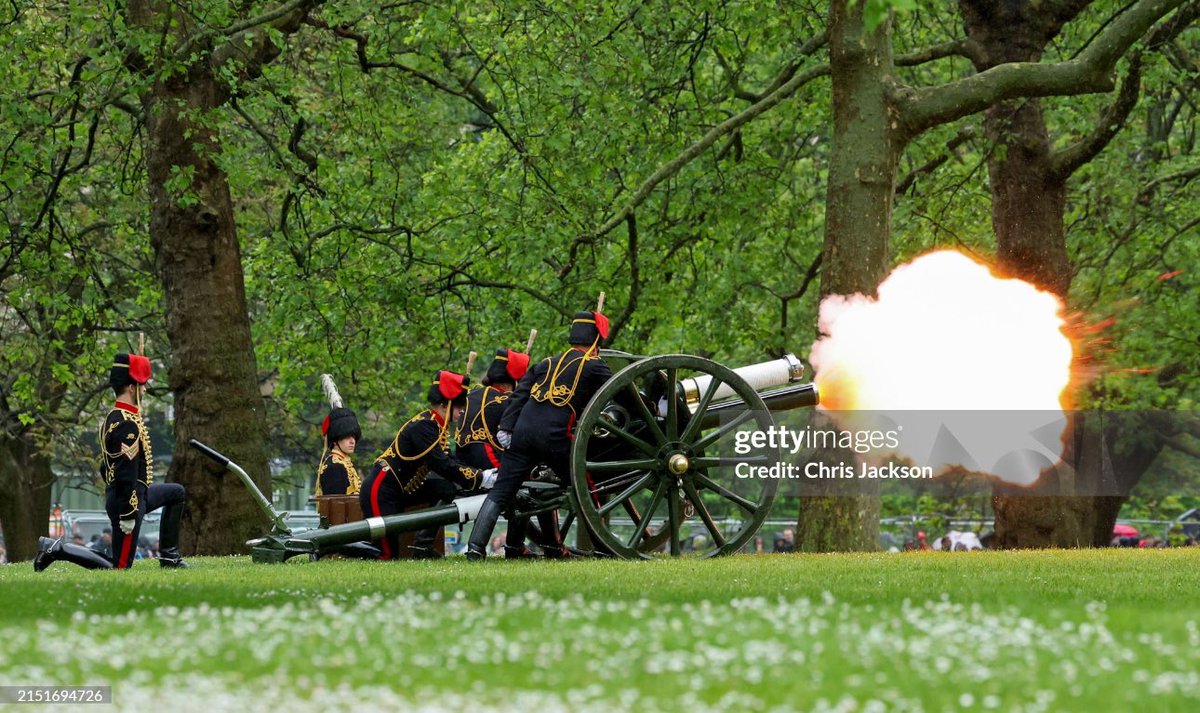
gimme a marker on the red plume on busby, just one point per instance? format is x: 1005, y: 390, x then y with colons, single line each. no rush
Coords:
x: 588, y: 328
x: 129, y: 369
x: 509, y: 365
x: 448, y: 386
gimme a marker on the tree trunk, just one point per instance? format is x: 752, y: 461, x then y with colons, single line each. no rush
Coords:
x: 213, y: 373
x: 25, y: 483
x: 858, y: 223
x: 1028, y: 199
x: 1028, y: 207
x: 1028, y: 204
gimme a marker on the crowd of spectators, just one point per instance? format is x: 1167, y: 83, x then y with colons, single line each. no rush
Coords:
x: 102, y: 544
x: 1151, y: 542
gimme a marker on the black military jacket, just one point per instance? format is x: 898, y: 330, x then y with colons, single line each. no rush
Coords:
x: 126, y: 461
x: 336, y: 475
x: 422, y: 445
x: 553, y: 394
x: 476, y: 440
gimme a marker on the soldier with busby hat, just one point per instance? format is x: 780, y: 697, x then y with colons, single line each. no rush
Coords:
x: 538, y: 424
x: 336, y: 474
x: 417, y: 466
x: 476, y: 439
x: 127, y: 467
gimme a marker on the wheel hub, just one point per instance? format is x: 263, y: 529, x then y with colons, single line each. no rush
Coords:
x: 678, y: 464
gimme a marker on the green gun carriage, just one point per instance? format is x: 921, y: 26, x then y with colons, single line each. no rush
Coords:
x: 657, y: 452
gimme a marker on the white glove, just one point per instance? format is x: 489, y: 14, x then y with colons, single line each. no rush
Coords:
x: 504, y: 438
x: 489, y: 478
x: 127, y: 525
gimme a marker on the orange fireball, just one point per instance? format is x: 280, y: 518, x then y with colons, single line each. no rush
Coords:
x: 968, y: 368
x: 945, y: 334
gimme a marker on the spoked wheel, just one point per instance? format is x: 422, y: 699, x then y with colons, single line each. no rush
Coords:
x: 649, y: 470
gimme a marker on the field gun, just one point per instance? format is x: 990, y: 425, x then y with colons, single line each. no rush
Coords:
x: 654, y: 448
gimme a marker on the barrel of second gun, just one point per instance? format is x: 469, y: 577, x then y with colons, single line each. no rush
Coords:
x: 374, y: 528
x: 783, y: 399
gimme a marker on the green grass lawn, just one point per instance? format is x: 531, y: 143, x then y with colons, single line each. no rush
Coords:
x: 1104, y: 630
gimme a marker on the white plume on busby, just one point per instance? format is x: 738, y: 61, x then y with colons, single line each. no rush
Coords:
x: 341, y: 421
x: 331, y: 392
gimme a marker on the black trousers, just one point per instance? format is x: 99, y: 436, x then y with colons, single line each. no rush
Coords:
x: 381, y: 496
x: 149, y: 499
x: 526, y: 453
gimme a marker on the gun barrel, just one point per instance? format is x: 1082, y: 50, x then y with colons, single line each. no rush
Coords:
x: 785, y: 399
x: 765, y: 375
x: 373, y: 528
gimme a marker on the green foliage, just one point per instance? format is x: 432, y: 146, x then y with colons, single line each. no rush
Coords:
x: 449, y: 198
x: 875, y: 12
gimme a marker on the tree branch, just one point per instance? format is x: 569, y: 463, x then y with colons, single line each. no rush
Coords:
x: 635, y: 280
x: 957, y: 48
x: 1183, y: 446
x: 1067, y: 161
x: 200, y: 39
x: 964, y: 134
x: 255, y: 48
x: 1091, y: 72
x: 673, y: 166
x: 789, y: 71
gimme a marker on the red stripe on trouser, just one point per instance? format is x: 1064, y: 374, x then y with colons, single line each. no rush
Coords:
x: 592, y: 488
x: 123, y: 561
x: 491, y: 454
x: 384, y: 547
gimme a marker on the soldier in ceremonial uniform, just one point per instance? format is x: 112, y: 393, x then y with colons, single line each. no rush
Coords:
x: 418, y: 468
x: 127, y: 466
x: 476, y: 439
x: 538, y: 425
x: 336, y: 474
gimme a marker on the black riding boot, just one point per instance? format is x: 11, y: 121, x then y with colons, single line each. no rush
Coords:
x: 514, y: 542
x: 552, y: 545
x: 422, y: 546
x: 168, y: 541
x: 481, y: 533
x: 52, y: 550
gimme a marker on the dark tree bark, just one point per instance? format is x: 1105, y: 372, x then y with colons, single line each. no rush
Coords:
x: 1028, y: 204
x: 26, y: 481
x: 1029, y: 188
x: 858, y: 223
x: 213, y: 371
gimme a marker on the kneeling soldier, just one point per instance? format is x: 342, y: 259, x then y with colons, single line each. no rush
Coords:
x: 336, y: 474
x: 476, y: 439
x: 418, y: 468
x: 127, y: 465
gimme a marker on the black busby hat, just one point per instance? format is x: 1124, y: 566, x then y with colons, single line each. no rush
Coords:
x: 588, y: 328
x: 509, y: 365
x: 339, y: 424
x: 128, y: 369
x: 449, y: 386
